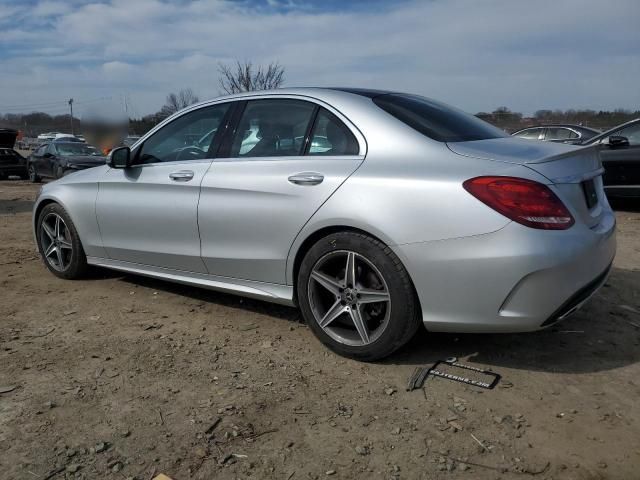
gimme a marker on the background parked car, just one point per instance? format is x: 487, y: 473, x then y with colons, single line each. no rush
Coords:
x: 620, y: 154
x: 57, y: 158
x: 11, y: 162
x: 557, y: 133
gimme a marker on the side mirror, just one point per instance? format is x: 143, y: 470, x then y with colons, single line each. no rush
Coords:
x: 120, y: 157
x: 617, y: 141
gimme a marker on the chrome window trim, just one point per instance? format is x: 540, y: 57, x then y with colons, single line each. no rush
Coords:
x: 362, y: 142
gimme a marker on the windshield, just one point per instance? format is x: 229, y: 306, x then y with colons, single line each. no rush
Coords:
x: 437, y: 120
x: 68, y: 149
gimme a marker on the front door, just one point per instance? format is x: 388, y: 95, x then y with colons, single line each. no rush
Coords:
x: 284, y: 161
x: 148, y: 213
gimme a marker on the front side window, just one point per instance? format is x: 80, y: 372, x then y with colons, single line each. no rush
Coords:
x: 272, y: 128
x: 632, y: 133
x: 436, y: 120
x: 332, y: 137
x: 191, y: 136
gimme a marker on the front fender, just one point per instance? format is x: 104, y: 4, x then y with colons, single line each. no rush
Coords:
x: 78, y: 199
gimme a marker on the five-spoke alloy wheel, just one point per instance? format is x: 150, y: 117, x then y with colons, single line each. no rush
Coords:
x: 356, y: 296
x: 56, y: 242
x: 59, y: 243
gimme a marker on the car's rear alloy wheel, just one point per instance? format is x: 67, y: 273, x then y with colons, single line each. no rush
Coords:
x: 349, y: 298
x: 356, y: 296
x: 59, y: 243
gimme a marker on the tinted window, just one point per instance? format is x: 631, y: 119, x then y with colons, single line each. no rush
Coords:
x: 632, y: 132
x: 559, y: 133
x: 436, y: 120
x: 529, y: 133
x: 332, y: 137
x: 272, y: 128
x: 185, y: 137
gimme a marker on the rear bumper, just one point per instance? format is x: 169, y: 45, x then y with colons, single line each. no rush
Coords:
x: 514, y: 280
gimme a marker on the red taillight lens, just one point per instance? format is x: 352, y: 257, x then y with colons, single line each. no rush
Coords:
x: 524, y: 201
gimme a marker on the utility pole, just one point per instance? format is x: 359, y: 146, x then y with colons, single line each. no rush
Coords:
x: 71, y: 108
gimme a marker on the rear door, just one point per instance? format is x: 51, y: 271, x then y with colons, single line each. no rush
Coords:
x: 282, y: 161
x: 622, y: 163
x: 148, y: 213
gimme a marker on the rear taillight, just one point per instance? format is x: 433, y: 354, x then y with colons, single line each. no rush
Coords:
x: 524, y: 201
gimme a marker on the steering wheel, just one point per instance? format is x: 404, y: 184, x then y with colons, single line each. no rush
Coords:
x: 190, y: 153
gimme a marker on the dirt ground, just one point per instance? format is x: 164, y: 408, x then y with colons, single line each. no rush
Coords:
x: 123, y: 377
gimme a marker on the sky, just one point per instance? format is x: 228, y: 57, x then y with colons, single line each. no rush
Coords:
x: 476, y: 55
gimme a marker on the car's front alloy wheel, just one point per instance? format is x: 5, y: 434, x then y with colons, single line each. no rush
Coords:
x: 356, y: 296
x: 59, y: 243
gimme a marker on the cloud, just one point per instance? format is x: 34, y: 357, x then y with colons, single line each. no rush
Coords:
x: 476, y: 55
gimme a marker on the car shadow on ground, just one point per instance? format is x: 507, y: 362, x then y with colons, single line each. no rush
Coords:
x: 602, y: 336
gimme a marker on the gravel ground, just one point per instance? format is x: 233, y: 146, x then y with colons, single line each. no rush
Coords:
x: 120, y: 376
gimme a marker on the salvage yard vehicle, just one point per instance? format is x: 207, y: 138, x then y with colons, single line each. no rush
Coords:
x: 11, y: 162
x: 557, y: 133
x: 620, y: 155
x: 60, y: 157
x: 407, y: 212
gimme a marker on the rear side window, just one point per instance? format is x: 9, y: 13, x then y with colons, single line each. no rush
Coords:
x: 332, y: 137
x: 436, y: 120
x: 272, y: 128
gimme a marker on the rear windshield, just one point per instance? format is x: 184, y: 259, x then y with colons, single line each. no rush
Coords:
x: 436, y: 120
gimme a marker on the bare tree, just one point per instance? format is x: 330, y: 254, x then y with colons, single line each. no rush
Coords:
x: 176, y: 102
x: 245, y: 77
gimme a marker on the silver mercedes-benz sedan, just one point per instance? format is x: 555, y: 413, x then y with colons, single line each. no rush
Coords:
x: 372, y: 211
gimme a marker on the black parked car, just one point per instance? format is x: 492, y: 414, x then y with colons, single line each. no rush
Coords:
x: 620, y: 154
x: 557, y: 133
x: 57, y: 159
x: 11, y: 162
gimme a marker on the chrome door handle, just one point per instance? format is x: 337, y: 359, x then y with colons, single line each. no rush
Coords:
x: 306, y: 178
x: 181, y: 176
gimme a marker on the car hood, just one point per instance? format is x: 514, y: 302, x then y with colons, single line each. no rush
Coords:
x: 86, y: 159
x: 8, y: 137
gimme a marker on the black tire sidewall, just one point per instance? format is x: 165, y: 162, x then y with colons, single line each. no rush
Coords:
x: 403, y: 320
x: 78, y: 265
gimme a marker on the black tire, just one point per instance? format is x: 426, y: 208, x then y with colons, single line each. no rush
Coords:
x: 404, y: 316
x: 76, y: 266
x: 3, y: 176
x: 59, y: 172
x: 33, y: 174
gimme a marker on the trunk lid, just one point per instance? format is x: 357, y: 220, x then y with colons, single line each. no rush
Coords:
x: 575, y: 171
